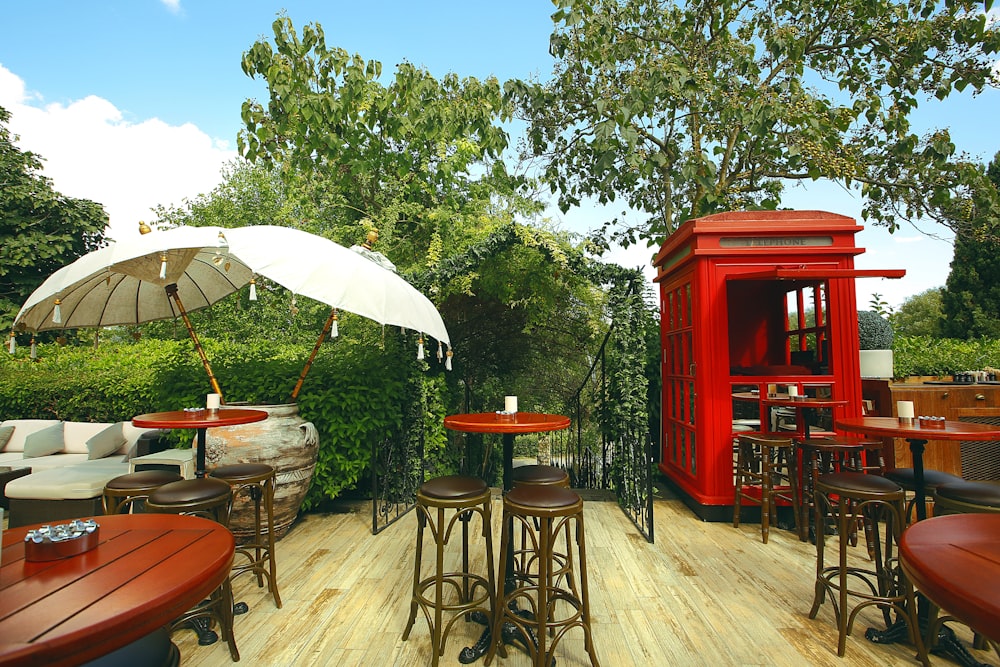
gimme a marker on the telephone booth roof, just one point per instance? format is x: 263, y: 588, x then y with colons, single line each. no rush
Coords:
x: 802, y: 234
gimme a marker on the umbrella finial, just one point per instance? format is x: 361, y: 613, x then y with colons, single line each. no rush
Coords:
x: 370, y: 239
x: 144, y: 228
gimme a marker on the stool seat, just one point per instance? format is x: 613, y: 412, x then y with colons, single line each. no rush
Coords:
x: 859, y: 483
x: 242, y: 472
x: 129, y: 492
x: 145, y: 479
x: 545, y: 498
x: 932, y: 478
x: 540, y: 474
x: 984, y: 494
x: 453, y: 487
x: 189, y: 491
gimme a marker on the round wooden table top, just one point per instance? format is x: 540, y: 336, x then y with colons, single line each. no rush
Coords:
x: 146, y: 570
x: 519, y: 422
x: 199, y: 418
x: 911, y: 429
x: 955, y: 561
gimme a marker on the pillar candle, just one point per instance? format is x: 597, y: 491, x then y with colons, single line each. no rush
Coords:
x: 510, y: 403
x: 212, y: 401
x: 792, y: 390
x: 904, y: 409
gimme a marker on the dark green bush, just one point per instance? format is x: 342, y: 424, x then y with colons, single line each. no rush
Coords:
x: 874, y: 331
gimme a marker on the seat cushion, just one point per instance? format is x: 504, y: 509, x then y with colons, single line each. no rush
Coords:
x: 932, y: 478
x: 973, y: 493
x: 453, y: 487
x: 77, y: 482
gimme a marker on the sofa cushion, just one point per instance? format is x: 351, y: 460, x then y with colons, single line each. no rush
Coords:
x: 105, y: 442
x: 77, y: 482
x: 22, y: 429
x: 76, y: 435
x: 44, y: 442
x: 58, y: 460
x: 5, y: 433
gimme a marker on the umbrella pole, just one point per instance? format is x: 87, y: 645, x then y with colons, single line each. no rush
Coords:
x: 312, y: 356
x: 171, y: 290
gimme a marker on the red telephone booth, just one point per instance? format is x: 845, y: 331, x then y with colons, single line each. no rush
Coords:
x: 750, y: 299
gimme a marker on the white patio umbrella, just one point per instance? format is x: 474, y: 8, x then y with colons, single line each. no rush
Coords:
x: 156, y: 276
x: 320, y: 269
x: 164, y: 274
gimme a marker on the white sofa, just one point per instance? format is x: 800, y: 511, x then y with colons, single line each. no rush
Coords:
x: 66, y: 483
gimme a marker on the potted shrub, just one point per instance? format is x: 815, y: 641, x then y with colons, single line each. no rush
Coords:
x: 875, y: 342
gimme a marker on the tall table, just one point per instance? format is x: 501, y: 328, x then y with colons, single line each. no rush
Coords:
x: 918, y: 435
x: 803, y: 406
x: 201, y: 420
x: 146, y: 570
x: 508, y: 426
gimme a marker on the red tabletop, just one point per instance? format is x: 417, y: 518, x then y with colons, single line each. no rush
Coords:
x: 911, y: 429
x: 199, y: 419
x: 147, y: 570
x: 955, y: 561
x: 519, y: 422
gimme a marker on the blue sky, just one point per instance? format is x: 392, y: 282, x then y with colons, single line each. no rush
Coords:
x: 135, y: 103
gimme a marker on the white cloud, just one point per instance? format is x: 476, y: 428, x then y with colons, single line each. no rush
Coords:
x: 173, y: 5
x: 90, y: 152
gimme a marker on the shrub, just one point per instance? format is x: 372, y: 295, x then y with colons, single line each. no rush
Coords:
x: 874, y: 331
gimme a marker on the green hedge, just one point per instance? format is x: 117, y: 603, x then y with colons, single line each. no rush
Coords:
x: 356, y: 392
x: 924, y: 355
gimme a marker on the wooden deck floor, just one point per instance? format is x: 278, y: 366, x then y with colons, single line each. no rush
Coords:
x: 702, y: 594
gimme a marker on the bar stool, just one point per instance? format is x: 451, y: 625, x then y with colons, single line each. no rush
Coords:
x: 851, y: 497
x: 525, y: 556
x: 765, y: 464
x: 467, y: 496
x: 820, y: 456
x: 210, y: 498
x: 256, y: 482
x: 932, y: 479
x: 549, y: 608
x: 967, y: 497
x: 126, y: 494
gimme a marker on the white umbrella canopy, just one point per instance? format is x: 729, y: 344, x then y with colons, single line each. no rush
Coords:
x: 318, y: 268
x: 125, y: 283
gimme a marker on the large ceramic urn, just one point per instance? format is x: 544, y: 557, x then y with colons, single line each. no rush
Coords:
x: 286, y: 442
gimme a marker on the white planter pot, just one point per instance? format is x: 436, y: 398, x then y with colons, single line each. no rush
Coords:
x: 876, y: 363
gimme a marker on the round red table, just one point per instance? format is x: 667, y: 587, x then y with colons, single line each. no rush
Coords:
x: 955, y: 561
x: 201, y: 420
x: 146, y: 570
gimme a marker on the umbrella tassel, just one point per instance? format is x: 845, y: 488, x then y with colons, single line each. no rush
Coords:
x: 34, y: 348
x: 163, y: 266
x: 420, y: 348
x: 334, y: 330
x: 12, y: 345
x: 440, y: 352
x: 57, y: 312
x: 253, y: 289
x: 447, y: 362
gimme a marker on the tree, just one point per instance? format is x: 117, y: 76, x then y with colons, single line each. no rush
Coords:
x: 40, y: 229
x: 971, y: 298
x: 920, y: 314
x: 393, y: 154
x: 686, y: 109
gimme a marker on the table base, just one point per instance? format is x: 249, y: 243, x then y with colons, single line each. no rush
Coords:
x: 947, y: 644
x: 510, y: 634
